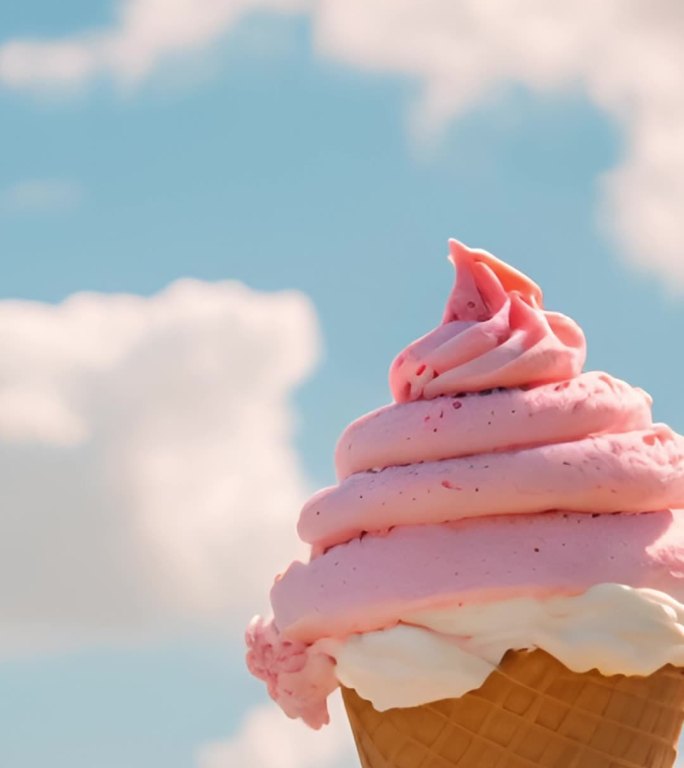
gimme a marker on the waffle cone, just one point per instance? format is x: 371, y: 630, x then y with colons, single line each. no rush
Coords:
x: 532, y: 712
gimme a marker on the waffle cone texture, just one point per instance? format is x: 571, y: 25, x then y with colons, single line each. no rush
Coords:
x: 531, y: 712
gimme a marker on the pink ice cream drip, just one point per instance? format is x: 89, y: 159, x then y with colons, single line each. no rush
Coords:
x: 299, y: 679
x: 494, y: 333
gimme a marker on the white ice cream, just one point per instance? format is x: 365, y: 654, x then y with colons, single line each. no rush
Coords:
x: 444, y: 653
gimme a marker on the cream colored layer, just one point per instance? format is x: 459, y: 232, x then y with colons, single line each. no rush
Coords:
x: 444, y: 653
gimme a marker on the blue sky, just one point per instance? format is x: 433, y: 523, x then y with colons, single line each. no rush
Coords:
x: 259, y: 160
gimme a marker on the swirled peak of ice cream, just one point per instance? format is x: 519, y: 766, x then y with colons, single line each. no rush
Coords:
x: 502, y: 481
x: 495, y: 333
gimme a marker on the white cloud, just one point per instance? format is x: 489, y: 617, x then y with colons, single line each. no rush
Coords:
x: 147, y: 475
x: 145, y: 32
x: 626, y: 54
x: 41, y: 195
x: 268, y: 739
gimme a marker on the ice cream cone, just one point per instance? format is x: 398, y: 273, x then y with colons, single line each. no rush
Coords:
x: 530, y: 712
x: 505, y: 496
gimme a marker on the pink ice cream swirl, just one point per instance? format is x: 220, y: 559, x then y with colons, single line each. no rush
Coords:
x: 495, y: 333
x: 499, y: 471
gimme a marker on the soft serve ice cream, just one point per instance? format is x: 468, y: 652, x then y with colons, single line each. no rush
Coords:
x: 505, y: 500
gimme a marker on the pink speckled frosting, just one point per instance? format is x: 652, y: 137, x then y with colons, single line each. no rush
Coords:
x: 500, y: 470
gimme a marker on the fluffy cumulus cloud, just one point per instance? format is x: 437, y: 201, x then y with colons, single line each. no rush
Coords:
x: 269, y: 740
x: 626, y: 54
x: 147, y: 474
